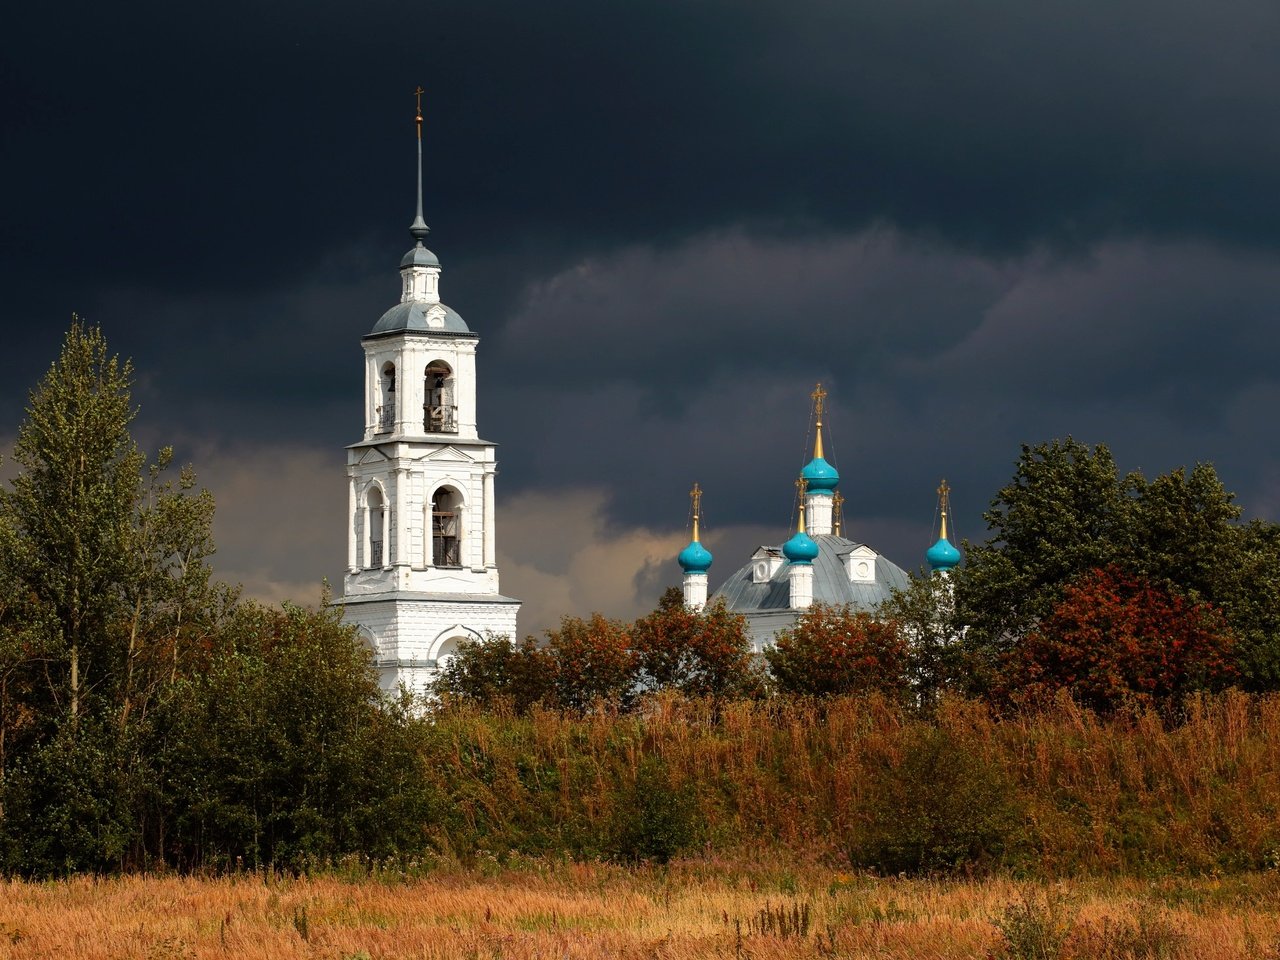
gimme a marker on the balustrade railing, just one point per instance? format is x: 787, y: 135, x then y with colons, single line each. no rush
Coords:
x: 440, y: 419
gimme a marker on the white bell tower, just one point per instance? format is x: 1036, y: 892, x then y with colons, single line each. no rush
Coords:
x: 422, y: 572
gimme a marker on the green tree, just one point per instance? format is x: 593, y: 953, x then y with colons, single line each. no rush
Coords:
x: 494, y: 672
x: 281, y: 749
x: 925, y: 615
x: 699, y: 653
x: 102, y: 570
x: 837, y: 650
x: 1063, y: 512
x: 1068, y: 511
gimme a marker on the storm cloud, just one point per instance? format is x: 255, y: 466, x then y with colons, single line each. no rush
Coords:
x: 977, y: 225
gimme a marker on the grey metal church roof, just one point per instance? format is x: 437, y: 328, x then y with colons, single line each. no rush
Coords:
x: 412, y: 315
x: 831, y: 584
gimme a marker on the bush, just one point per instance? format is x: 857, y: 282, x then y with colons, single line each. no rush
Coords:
x: 655, y: 820
x: 935, y: 804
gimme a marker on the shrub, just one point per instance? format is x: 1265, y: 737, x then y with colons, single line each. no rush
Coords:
x: 935, y: 804
x: 656, y: 819
x: 1035, y: 929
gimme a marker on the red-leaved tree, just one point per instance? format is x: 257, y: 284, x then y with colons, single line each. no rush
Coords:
x: 700, y: 654
x: 1118, y: 639
x: 593, y: 661
x: 836, y: 650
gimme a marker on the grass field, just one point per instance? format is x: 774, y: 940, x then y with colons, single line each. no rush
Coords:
x: 692, y: 909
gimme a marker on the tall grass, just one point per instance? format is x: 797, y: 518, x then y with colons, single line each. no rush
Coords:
x: 863, y: 781
x: 690, y: 909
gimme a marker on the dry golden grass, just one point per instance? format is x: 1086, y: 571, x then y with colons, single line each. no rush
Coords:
x: 693, y: 909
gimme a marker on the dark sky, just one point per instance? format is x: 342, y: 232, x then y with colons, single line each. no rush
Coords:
x: 978, y: 224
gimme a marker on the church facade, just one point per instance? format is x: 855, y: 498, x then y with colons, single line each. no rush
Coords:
x: 422, y: 571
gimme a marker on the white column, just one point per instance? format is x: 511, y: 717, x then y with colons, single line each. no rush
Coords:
x: 490, y: 540
x: 801, y: 581
x: 402, y: 515
x: 695, y: 591
x: 817, y: 514
x: 352, y: 506
x: 386, y: 533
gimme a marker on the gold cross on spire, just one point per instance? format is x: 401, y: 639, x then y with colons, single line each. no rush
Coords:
x: 801, y: 486
x: 819, y: 395
x: 944, y: 501
x: 837, y: 510
x: 695, y: 497
x: 819, y: 402
x: 418, y: 95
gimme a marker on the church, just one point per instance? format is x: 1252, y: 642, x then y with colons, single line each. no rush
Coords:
x: 422, y: 572
x: 816, y: 565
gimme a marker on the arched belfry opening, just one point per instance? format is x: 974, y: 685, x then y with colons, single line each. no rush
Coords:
x: 440, y: 410
x: 446, y: 528
x: 387, y: 399
x: 375, y: 528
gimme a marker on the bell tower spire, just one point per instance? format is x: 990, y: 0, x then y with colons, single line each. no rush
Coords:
x: 419, y: 229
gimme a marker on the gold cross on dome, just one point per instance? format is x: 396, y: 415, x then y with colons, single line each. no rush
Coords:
x: 695, y: 495
x: 818, y: 395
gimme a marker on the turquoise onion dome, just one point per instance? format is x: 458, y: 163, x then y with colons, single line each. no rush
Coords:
x: 820, y: 476
x: 942, y: 555
x: 800, y: 548
x: 695, y: 558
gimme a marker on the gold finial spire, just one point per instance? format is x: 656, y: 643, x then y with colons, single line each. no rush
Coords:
x: 801, y: 485
x: 944, y: 503
x: 819, y: 397
x: 837, y: 511
x: 419, y: 229
x: 695, y: 497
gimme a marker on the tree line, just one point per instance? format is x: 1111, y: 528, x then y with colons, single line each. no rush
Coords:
x: 1122, y: 593
x: 152, y: 717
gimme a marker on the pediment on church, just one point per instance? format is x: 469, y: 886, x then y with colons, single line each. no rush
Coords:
x: 449, y: 455
x: 371, y: 455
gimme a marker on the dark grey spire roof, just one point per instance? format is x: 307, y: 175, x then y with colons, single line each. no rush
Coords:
x: 831, y: 584
x: 419, y: 256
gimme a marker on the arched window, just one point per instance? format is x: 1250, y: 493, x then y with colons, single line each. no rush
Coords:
x: 387, y: 399
x: 448, y: 650
x: 440, y: 413
x: 446, y: 528
x: 375, y: 528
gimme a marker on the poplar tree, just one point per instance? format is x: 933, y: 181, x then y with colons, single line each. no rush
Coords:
x: 103, y: 576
